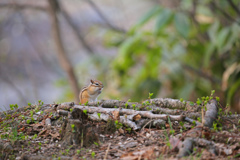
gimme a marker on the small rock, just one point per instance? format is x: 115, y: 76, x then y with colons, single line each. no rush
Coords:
x: 35, y: 117
x: 121, y: 131
x: 18, y: 158
x: 129, y: 139
x: 229, y: 139
x: 159, y: 123
x: 38, y: 113
x: 148, y: 135
x: 101, y: 135
x: 130, y: 145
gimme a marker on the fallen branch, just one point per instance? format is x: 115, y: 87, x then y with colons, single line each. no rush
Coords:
x: 216, y: 148
x: 122, y: 119
x: 105, y: 157
x: 101, y: 117
x: 65, y: 106
x: 145, y: 114
x: 210, y: 116
x: 153, y: 104
x: 158, y: 105
x: 129, y: 123
x: 171, y: 103
x: 192, y: 121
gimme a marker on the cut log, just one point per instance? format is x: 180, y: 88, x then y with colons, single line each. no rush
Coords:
x: 75, y: 133
x: 186, y: 148
x: 211, y: 113
x: 78, y: 130
x: 62, y: 112
x: 48, y: 122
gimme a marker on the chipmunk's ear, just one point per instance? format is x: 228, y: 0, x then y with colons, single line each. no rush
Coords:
x: 91, y: 81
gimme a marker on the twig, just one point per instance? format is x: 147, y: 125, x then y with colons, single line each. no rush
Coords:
x: 62, y: 56
x: 8, y: 81
x: 191, y: 121
x: 228, y: 17
x: 202, y: 74
x: 76, y: 30
x: 146, y: 124
x: 23, y: 6
x: 234, y: 6
x: 105, y: 157
x: 109, y: 24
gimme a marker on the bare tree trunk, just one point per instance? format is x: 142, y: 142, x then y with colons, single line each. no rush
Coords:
x: 62, y: 56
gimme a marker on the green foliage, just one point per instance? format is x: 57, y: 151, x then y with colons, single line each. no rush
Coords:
x: 28, y: 121
x: 126, y: 105
x: 118, y: 124
x: 133, y: 105
x: 170, y: 124
x: 187, y: 51
x: 191, y: 103
x: 78, y: 152
x: 194, y: 124
x: 13, y: 106
x: 34, y: 137
x: 128, y: 129
x: 96, y: 143
x: 99, y: 114
x: 85, y: 111
x: 93, y: 154
x: 150, y: 95
x: 40, y: 103
x: 86, y: 103
x: 182, y: 24
x: 40, y: 144
x: 73, y: 127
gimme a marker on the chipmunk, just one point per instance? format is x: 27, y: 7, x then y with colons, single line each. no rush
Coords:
x: 91, y: 92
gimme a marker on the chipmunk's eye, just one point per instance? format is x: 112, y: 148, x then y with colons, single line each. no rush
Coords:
x: 96, y: 84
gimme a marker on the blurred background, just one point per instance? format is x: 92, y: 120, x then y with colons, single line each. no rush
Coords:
x: 50, y: 49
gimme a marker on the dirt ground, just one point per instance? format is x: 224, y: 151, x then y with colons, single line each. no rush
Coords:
x: 36, y: 132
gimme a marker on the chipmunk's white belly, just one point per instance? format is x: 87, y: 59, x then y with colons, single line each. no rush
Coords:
x: 93, y: 98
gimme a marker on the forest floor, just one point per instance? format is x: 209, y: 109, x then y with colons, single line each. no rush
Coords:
x: 36, y: 132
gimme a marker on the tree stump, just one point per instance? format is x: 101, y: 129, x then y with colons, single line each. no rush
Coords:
x: 78, y: 130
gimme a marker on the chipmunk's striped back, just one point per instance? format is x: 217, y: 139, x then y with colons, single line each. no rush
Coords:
x: 91, y: 92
